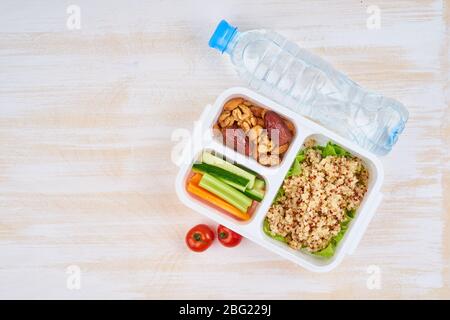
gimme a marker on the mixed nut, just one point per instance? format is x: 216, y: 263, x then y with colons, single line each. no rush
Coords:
x: 254, y: 131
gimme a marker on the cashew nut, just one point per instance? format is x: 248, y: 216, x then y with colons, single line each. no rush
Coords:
x: 245, y: 112
x: 237, y: 114
x: 245, y: 126
x: 227, y: 122
x: 224, y: 115
x: 233, y: 103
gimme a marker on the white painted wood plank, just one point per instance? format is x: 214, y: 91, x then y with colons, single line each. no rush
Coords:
x: 85, y: 123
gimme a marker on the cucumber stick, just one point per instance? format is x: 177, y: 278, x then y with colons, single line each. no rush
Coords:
x: 210, y: 159
x: 228, y: 177
x: 246, y: 169
x: 259, y: 184
x: 225, y: 192
x: 233, y: 184
x: 255, y: 194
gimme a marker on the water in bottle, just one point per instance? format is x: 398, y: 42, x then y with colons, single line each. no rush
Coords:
x: 305, y: 83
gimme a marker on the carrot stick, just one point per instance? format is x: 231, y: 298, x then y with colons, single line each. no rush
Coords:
x: 196, y: 178
x: 211, y: 198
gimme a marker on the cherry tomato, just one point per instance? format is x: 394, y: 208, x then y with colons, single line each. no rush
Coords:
x: 199, y: 238
x: 228, y: 237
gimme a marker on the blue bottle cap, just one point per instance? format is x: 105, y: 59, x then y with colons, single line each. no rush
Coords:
x: 222, y: 36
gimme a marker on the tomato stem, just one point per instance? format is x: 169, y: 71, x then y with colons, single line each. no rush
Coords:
x: 223, y: 235
x: 197, y: 236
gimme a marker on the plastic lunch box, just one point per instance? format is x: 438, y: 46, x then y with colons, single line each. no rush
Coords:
x: 274, y: 176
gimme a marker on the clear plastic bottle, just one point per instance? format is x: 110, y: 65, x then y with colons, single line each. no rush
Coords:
x: 305, y: 83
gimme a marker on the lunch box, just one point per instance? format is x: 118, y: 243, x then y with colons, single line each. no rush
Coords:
x: 274, y: 176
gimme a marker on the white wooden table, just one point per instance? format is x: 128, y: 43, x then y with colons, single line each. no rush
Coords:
x: 86, y: 178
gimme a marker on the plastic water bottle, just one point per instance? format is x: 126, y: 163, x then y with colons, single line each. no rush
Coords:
x: 305, y: 83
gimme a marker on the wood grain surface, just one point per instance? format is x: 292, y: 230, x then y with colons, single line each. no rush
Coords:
x: 86, y: 177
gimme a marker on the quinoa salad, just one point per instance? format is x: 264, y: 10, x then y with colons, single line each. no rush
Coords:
x: 318, y: 198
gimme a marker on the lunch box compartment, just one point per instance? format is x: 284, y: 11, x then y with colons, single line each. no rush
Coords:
x: 219, y: 110
x: 274, y: 176
x: 317, y: 260
x: 212, y: 207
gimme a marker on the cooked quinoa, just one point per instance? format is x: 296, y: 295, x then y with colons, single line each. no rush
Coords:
x: 315, y: 202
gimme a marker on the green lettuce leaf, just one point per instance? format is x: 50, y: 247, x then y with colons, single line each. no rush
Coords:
x: 328, y: 150
x: 300, y: 157
x: 337, y: 238
x: 332, y: 149
x: 320, y: 148
x: 266, y: 229
x: 279, y: 194
x: 331, y: 248
x: 341, y: 151
x: 327, y: 252
x: 351, y: 213
x: 295, y: 169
